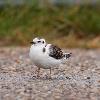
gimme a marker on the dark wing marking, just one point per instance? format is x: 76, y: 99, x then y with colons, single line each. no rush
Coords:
x: 67, y: 55
x: 44, y: 49
x: 55, y: 52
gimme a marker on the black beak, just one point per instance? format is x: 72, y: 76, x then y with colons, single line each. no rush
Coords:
x: 32, y: 42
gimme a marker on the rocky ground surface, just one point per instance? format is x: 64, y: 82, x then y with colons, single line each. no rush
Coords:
x: 78, y: 79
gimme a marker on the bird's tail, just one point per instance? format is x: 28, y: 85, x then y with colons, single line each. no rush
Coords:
x: 67, y: 55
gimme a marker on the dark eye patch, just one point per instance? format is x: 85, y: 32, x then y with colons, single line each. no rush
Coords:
x: 38, y: 41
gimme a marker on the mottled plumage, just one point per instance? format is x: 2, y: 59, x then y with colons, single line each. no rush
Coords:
x: 55, y: 52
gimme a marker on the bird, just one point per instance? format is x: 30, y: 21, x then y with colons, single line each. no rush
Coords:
x: 46, y: 56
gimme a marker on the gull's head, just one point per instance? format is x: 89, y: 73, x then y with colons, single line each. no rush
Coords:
x: 38, y: 41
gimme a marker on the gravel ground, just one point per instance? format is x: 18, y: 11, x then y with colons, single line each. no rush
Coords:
x: 78, y: 79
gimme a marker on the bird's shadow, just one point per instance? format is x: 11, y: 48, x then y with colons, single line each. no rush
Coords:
x: 50, y: 78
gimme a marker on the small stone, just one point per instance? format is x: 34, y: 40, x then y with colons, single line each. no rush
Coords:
x: 88, y: 77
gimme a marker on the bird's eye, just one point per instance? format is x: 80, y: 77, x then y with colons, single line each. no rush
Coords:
x: 43, y: 42
x: 39, y: 41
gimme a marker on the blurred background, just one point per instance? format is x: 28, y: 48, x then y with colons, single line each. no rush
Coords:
x: 66, y: 23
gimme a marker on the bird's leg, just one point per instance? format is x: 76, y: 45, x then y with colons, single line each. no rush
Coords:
x: 38, y: 71
x: 50, y: 73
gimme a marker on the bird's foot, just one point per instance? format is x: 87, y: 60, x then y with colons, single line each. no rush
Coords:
x: 48, y: 77
x: 38, y: 76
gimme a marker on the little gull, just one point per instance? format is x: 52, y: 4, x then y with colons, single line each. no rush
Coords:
x: 46, y: 56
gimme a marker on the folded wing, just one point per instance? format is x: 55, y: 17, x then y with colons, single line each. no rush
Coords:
x: 55, y: 52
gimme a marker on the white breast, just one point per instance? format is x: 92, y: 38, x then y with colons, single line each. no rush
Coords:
x: 42, y: 59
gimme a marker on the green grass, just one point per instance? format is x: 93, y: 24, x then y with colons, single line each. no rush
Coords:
x: 18, y: 25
